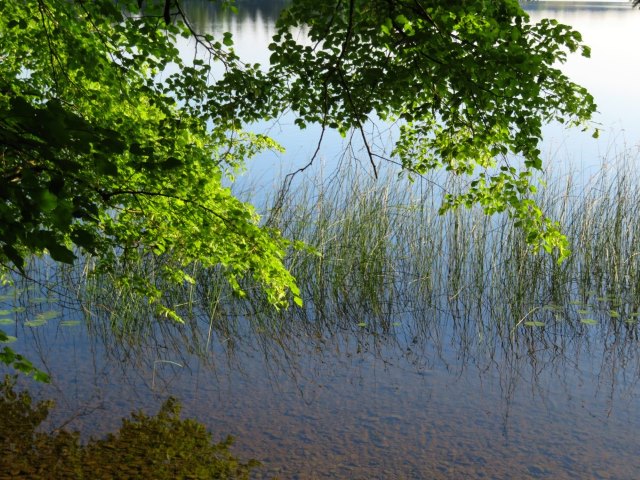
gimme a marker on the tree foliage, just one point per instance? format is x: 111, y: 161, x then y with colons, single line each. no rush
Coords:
x: 114, y: 146
x: 107, y: 145
x: 471, y: 83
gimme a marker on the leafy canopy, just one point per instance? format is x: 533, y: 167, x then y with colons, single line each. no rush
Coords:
x: 107, y: 146
x: 471, y: 83
x: 114, y: 146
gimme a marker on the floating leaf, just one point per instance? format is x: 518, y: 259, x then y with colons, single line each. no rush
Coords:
x: 614, y: 314
x: 362, y: 324
x: 583, y: 312
x: 534, y: 323
x: 34, y: 323
x: 9, y: 339
x: 553, y: 308
x: 605, y: 299
x: 19, y: 309
x: 589, y: 321
x: 7, y: 321
x: 36, y: 300
x: 48, y: 315
x: 5, y: 312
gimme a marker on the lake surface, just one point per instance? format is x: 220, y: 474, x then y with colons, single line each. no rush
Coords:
x: 435, y: 386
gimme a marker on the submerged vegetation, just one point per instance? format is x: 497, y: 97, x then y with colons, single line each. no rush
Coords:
x: 162, y: 446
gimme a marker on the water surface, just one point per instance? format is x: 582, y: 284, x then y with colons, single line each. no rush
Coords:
x: 437, y: 386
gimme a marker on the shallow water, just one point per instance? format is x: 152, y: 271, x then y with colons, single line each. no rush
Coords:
x: 441, y: 391
x: 428, y: 398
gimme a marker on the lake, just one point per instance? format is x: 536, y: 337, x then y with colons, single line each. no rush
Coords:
x: 427, y: 350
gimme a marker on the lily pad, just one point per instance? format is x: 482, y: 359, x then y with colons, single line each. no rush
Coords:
x: 534, y: 323
x: 589, y: 321
x: 7, y: 321
x: 34, y: 323
x: 38, y: 300
x: 9, y: 339
x: 47, y: 315
x: 553, y: 308
x: 614, y: 314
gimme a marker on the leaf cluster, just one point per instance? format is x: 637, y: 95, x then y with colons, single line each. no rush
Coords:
x: 113, y: 145
x: 107, y: 149
x: 471, y: 84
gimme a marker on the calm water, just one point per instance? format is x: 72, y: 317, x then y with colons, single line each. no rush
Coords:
x: 437, y: 393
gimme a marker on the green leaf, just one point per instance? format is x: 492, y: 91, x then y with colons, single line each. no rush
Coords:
x: 534, y: 323
x: 47, y: 201
x: 60, y: 253
x: 35, y: 323
x: 589, y: 321
x: 48, y: 315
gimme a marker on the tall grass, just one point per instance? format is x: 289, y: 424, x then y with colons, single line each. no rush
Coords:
x: 383, y: 251
x: 383, y: 262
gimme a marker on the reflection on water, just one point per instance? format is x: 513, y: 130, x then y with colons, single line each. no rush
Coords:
x: 413, y: 380
x: 441, y: 391
x: 609, y: 28
x: 162, y: 446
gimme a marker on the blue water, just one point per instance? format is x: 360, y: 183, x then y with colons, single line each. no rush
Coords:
x: 438, y: 394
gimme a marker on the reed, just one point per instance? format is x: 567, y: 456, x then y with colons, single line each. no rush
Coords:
x: 382, y: 261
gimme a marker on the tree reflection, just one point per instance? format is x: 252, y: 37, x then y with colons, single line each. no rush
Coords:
x: 162, y: 446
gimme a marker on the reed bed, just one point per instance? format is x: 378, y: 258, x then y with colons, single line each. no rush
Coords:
x: 383, y: 252
x: 383, y: 263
